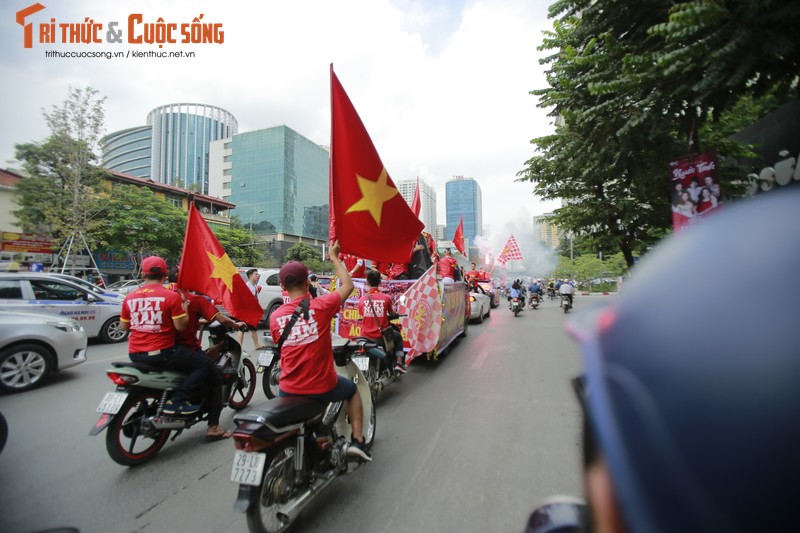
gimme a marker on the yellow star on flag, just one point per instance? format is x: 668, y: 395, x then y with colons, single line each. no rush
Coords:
x: 374, y: 195
x: 223, y: 269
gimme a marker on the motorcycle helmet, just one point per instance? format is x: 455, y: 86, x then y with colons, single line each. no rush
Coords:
x: 692, y: 380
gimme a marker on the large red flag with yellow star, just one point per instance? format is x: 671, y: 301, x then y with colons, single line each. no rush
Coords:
x: 368, y: 215
x: 206, y: 268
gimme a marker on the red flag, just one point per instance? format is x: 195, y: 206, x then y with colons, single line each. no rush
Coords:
x: 206, y: 268
x: 367, y: 213
x: 458, y: 237
x: 416, y: 204
x: 422, y: 310
x: 510, y: 251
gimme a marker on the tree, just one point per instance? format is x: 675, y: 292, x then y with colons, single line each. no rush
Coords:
x: 308, y: 255
x: 58, y: 196
x: 625, y: 110
x: 144, y: 223
x: 239, y: 245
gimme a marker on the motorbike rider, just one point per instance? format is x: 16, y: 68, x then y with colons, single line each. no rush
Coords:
x: 372, y: 325
x: 514, y: 292
x: 307, y: 367
x: 154, y: 314
x: 201, y: 308
x: 683, y: 439
x: 535, y: 289
x: 566, y: 289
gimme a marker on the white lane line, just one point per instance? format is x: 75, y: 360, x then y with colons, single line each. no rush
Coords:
x: 481, y: 358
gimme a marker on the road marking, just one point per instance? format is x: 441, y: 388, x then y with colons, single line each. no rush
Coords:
x: 481, y: 358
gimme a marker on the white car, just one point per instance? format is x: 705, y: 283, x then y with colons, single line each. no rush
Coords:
x: 125, y: 286
x: 270, y: 297
x: 480, y: 306
x: 42, y: 293
x: 90, y: 286
x: 33, y: 345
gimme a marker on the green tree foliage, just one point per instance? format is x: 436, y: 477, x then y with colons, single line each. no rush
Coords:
x: 309, y: 256
x: 58, y: 195
x: 629, y: 99
x: 144, y: 223
x: 243, y: 251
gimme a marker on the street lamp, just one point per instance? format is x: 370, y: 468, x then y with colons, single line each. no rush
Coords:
x: 251, y: 226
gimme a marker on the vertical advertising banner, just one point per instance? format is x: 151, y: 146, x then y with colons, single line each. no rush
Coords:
x: 694, y: 188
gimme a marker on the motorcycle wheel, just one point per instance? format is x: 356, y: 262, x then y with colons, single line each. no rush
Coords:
x: 276, y: 489
x: 371, y: 375
x: 271, y: 379
x: 244, y: 388
x: 369, y: 429
x: 127, y: 442
x: 566, y: 308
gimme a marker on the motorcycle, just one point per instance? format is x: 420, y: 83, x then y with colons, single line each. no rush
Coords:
x: 371, y: 358
x: 269, y: 365
x: 533, y: 302
x: 551, y: 293
x: 293, y: 448
x: 133, y: 413
x: 565, y: 303
x: 516, y: 306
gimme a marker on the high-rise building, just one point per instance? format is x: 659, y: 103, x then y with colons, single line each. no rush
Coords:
x: 278, y: 180
x: 463, y: 199
x: 173, y: 147
x: 545, y: 231
x: 427, y: 212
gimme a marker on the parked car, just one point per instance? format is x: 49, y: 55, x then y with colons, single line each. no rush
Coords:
x: 39, y: 292
x: 34, y: 345
x: 492, y: 292
x: 90, y: 286
x: 125, y: 286
x: 480, y: 307
x: 270, y: 297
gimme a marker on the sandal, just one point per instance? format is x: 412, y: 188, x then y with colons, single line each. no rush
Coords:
x: 219, y: 436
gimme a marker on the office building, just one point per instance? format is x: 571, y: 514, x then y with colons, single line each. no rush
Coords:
x: 278, y: 180
x: 427, y: 212
x: 173, y: 147
x: 463, y: 199
x: 545, y: 231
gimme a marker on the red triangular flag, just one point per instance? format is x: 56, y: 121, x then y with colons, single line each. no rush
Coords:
x: 368, y: 215
x: 416, y: 204
x: 206, y: 268
x: 458, y: 237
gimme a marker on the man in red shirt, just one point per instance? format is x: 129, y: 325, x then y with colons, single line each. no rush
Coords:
x: 154, y: 314
x: 354, y: 265
x: 199, y: 308
x: 307, y: 353
x: 447, y: 267
x: 376, y: 309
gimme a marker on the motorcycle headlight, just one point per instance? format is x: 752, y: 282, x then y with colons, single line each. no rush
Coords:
x: 64, y: 325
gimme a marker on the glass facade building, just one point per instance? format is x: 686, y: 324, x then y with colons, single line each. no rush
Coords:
x: 128, y: 151
x: 463, y: 199
x: 427, y: 211
x: 278, y: 180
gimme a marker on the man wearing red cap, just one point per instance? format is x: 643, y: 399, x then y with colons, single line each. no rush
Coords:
x: 307, y: 353
x: 154, y: 315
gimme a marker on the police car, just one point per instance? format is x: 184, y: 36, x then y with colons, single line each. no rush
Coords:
x: 43, y: 293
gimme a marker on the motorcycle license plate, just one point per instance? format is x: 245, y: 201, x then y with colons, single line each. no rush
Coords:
x: 248, y: 468
x: 112, y: 402
x: 265, y: 358
x: 362, y: 363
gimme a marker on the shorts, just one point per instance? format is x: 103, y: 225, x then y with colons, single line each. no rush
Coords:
x: 343, y: 391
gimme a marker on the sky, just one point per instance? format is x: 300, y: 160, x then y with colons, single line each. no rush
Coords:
x: 441, y: 86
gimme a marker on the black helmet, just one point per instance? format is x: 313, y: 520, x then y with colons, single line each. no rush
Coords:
x: 693, y: 378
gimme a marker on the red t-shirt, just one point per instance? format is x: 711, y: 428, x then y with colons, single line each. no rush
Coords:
x: 150, y: 310
x: 382, y: 267
x: 307, y: 353
x: 351, y: 262
x: 447, y: 266
x: 397, y: 269
x: 199, y: 307
x: 371, y: 326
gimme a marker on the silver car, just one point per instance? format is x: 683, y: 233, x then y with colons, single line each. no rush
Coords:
x: 33, y: 345
x: 42, y: 293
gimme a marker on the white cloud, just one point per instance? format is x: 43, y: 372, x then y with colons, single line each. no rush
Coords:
x: 442, y: 92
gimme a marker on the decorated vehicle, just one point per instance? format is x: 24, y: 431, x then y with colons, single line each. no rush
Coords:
x: 434, y: 314
x: 491, y: 291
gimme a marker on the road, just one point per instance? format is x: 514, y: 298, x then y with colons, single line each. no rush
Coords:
x: 471, y: 443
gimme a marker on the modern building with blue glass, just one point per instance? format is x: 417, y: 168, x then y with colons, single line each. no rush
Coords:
x: 278, y: 180
x: 463, y: 199
x: 173, y: 147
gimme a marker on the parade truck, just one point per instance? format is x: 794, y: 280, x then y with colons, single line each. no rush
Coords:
x: 433, y: 314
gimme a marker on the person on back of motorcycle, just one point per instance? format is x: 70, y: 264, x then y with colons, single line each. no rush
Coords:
x: 154, y: 314
x: 701, y: 437
x: 534, y: 289
x: 201, y: 308
x: 372, y: 325
x: 567, y: 290
x: 307, y: 367
x: 514, y: 292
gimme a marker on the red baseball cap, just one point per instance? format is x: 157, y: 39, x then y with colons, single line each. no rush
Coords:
x: 154, y: 265
x: 293, y: 273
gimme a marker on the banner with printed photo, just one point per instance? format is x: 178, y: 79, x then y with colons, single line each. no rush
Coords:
x: 694, y: 188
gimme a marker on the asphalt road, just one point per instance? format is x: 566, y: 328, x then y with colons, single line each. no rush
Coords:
x: 471, y: 443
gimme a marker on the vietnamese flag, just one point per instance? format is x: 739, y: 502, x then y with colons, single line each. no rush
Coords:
x: 206, y: 268
x: 458, y: 237
x: 416, y: 204
x: 368, y: 215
